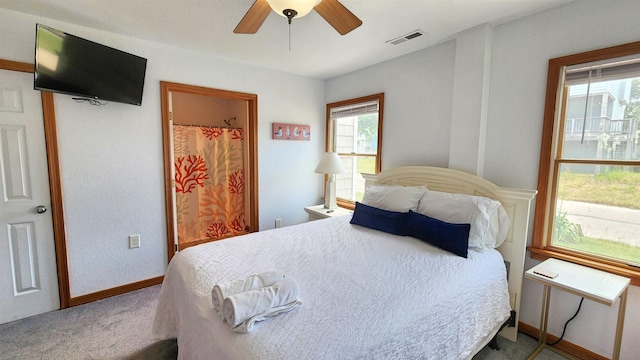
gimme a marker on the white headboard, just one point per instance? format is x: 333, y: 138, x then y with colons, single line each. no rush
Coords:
x: 516, y: 202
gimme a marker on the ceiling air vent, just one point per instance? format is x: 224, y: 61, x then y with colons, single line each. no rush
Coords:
x: 406, y: 37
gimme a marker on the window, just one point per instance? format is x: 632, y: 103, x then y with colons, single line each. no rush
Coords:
x: 588, y: 209
x: 354, y: 132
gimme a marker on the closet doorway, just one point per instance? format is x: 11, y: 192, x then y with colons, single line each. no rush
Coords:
x: 210, y: 164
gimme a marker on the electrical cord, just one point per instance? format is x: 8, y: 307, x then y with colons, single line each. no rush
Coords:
x: 567, y: 323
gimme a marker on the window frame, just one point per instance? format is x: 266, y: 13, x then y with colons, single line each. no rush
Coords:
x: 329, y: 133
x: 540, y: 248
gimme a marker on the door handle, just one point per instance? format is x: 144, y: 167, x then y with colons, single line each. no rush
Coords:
x: 40, y: 209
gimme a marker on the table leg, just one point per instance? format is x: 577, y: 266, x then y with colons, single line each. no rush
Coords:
x: 545, y: 308
x: 544, y: 317
x: 620, y: 325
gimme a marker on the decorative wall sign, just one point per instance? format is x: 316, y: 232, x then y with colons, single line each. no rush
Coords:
x: 291, y: 131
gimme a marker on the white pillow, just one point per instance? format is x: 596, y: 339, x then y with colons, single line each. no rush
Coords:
x: 393, y: 197
x: 489, y: 221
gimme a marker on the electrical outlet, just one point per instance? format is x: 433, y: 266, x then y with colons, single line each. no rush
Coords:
x: 278, y: 223
x: 134, y: 241
x: 512, y: 319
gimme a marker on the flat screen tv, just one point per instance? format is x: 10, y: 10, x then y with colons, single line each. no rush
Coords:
x: 71, y: 65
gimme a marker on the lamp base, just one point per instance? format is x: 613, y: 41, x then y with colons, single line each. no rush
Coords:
x: 330, y: 195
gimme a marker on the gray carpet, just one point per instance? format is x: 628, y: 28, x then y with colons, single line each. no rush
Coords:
x: 114, y: 328
x: 518, y: 351
x: 120, y: 328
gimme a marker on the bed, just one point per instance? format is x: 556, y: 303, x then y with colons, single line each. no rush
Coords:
x: 365, y: 293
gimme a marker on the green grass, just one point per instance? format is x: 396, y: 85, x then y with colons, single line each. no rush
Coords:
x: 616, y: 188
x: 603, y: 247
x: 366, y: 165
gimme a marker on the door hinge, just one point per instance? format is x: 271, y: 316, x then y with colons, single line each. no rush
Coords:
x: 173, y: 183
x: 176, y: 247
x: 170, y: 116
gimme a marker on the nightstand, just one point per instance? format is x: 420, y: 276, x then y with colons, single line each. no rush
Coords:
x: 318, y: 212
x: 592, y: 284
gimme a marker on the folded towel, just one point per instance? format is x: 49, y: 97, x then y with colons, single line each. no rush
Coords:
x: 247, y: 325
x: 223, y: 290
x: 242, y: 310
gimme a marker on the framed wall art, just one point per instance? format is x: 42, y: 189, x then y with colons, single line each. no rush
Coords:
x: 291, y: 131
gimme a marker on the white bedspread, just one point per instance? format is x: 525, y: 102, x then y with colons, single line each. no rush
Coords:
x: 366, y: 295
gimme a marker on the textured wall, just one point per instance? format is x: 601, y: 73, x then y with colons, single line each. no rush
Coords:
x: 117, y: 148
x: 419, y: 97
x: 417, y: 104
x: 111, y: 156
x: 521, y: 52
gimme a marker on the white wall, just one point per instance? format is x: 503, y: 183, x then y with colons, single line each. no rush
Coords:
x: 111, y: 156
x: 112, y: 162
x: 470, y: 99
x: 419, y: 97
x: 521, y: 51
x: 417, y: 104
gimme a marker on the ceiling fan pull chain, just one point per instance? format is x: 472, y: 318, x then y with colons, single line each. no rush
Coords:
x: 289, y: 36
x: 290, y: 14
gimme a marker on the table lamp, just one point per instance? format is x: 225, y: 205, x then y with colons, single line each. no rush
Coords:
x: 330, y: 165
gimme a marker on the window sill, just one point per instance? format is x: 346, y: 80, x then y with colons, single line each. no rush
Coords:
x: 349, y: 205
x: 623, y: 270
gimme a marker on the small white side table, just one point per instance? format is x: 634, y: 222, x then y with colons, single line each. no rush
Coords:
x: 318, y: 212
x: 592, y: 284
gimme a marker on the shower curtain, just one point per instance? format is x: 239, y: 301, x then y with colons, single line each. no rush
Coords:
x: 209, y: 182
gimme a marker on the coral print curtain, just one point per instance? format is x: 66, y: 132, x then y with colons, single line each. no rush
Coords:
x: 209, y: 180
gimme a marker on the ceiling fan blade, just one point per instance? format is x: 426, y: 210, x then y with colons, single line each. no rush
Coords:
x: 338, y: 16
x: 254, y: 18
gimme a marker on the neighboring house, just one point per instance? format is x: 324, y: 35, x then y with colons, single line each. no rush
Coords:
x: 599, y: 128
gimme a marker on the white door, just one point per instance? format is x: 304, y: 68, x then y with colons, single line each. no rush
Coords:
x: 28, y: 275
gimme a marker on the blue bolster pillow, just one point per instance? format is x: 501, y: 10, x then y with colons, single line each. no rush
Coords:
x: 391, y: 222
x: 451, y: 237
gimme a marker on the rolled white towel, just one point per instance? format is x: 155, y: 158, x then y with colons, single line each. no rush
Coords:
x: 247, y: 325
x: 223, y: 290
x: 242, y: 310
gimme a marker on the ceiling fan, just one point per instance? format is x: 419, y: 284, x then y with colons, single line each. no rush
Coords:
x: 332, y: 11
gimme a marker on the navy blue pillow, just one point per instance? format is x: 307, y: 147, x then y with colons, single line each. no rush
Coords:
x: 451, y: 237
x: 391, y: 222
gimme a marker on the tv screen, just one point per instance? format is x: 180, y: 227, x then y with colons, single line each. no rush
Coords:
x: 67, y: 64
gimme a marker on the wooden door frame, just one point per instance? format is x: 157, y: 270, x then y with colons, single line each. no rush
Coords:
x: 252, y: 137
x: 55, y: 185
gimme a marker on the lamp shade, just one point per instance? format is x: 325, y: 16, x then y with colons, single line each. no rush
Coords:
x: 303, y: 7
x: 330, y: 164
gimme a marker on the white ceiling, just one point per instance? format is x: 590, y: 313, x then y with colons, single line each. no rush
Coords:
x: 317, y: 50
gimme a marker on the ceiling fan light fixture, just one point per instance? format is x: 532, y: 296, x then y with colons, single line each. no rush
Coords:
x: 302, y: 7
